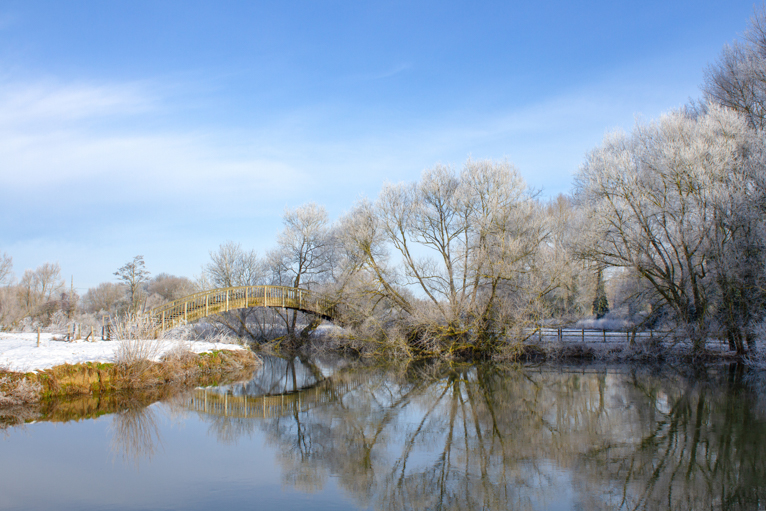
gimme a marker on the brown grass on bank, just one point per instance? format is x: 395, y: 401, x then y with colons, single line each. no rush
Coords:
x: 179, y: 367
x: 139, y: 347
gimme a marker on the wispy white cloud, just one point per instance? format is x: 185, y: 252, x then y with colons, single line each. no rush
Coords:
x: 47, y: 140
x: 30, y: 104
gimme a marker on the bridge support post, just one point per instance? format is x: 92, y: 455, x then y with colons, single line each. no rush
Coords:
x: 185, y: 310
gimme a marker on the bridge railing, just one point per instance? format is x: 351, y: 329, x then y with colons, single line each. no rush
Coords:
x: 215, y: 301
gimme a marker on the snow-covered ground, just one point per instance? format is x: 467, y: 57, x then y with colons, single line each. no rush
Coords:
x: 19, y: 351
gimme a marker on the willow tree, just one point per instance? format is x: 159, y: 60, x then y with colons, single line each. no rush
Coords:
x: 303, y: 253
x: 676, y: 201
x: 233, y: 266
x: 737, y: 80
x: 449, y: 252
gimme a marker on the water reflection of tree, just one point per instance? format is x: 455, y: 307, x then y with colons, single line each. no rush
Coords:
x: 492, y: 438
x: 704, y: 450
x: 135, y: 433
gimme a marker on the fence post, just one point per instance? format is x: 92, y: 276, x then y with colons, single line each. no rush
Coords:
x: 583, y: 335
x: 604, y: 331
x: 185, y: 311
x: 227, y: 300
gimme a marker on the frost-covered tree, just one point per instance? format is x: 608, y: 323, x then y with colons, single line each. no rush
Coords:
x: 169, y: 287
x: 737, y: 80
x: 676, y: 201
x: 467, y: 243
x: 232, y: 266
x: 6, y: 270
x: 9, y: 307
x: 39, y: 286
x: 133, y: 275
x: 304, y: 246
x: 107, y: 297
x: 304, y: 251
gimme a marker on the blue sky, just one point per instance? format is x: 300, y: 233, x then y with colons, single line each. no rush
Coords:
x: 166, y: 128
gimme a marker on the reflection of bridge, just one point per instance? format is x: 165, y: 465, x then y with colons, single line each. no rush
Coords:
x: 210, y: 402
x: 215, y: 301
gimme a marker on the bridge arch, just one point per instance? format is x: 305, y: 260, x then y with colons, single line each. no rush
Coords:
x: 207, y: 303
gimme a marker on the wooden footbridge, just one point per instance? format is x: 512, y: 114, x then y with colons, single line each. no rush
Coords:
x: 207, y: 303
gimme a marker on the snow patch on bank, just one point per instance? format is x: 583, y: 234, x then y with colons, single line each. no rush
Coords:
x: 19, y: 351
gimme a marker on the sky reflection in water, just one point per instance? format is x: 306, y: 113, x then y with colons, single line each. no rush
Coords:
x: 471, y: 437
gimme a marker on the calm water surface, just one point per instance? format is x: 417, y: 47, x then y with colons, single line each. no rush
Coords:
x: 335, y: 435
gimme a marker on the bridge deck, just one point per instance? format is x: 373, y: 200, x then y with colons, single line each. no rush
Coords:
x: 207, y: 303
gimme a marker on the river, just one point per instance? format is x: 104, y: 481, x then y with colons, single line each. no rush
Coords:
x: 338, y: 434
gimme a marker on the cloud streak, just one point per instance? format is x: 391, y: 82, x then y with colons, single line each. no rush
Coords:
x: 32, y: 104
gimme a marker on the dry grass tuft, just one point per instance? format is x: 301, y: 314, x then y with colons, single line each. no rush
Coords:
x: 138, y: 340
x: 18, y: 390
x: 138, y: 346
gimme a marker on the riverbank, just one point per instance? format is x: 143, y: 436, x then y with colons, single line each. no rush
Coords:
x: 547, y: 345
x: 30, y: 373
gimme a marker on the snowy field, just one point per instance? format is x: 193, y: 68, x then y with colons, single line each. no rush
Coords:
x: 19, y: 351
